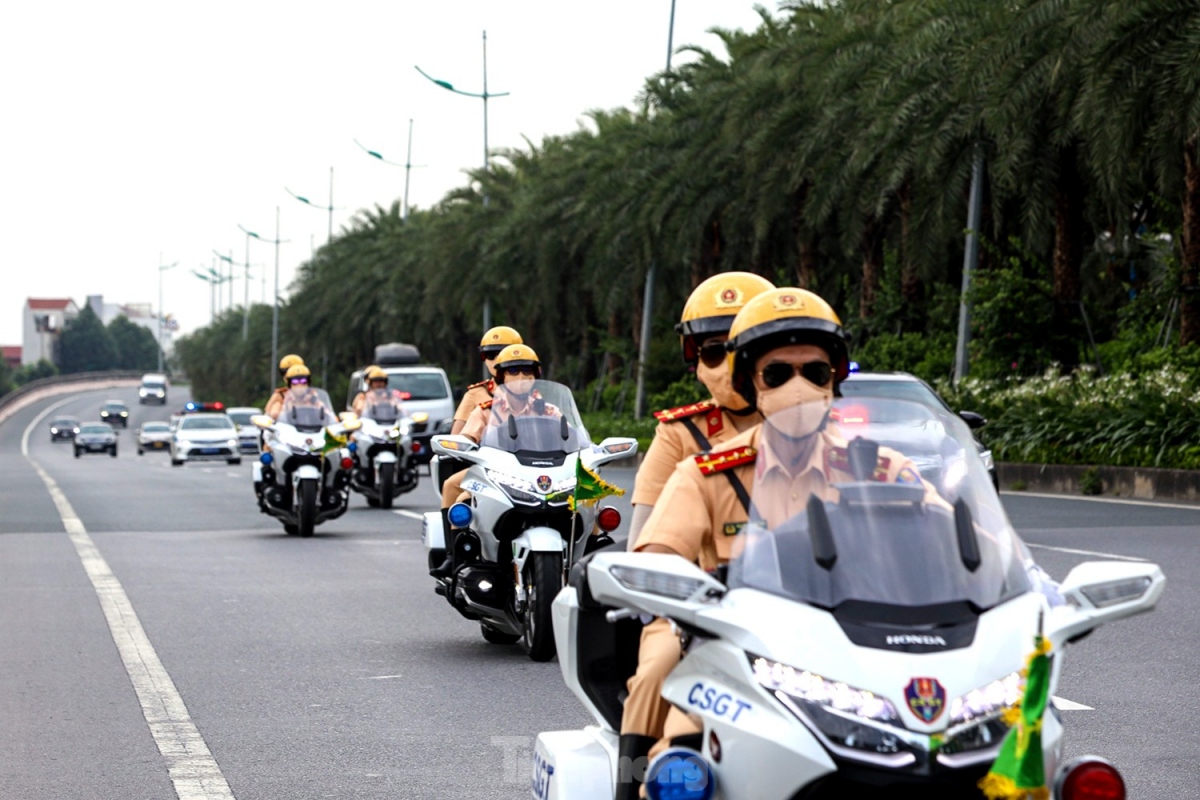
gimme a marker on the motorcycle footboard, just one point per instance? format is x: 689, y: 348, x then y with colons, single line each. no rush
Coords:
x: 572, y: 765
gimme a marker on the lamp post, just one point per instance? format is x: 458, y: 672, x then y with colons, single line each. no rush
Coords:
x: 328, y: 208
x: 487, y: 302
x: 161, y: 269
x: 245, y: 288
x: 408, y: 165
x: 639, y: 396
x: 275, y: 306
x: 213, y: 279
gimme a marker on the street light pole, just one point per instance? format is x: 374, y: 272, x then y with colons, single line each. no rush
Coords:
x: 487, y: 301
x: 408, y: 165
x: 161, y: 269
x: 275, y: 306
x: 245, y: 265
x: 328, y: 208
x: 639, y: 402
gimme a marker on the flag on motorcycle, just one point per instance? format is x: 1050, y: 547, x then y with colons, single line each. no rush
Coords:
x: 1020, y: 771
x: 332, y: 442
x: 590, y: 487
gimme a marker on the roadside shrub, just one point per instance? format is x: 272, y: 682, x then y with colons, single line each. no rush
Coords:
x: 1089, y: 482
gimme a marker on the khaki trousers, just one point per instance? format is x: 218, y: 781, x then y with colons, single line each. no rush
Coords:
x: 645, y: 711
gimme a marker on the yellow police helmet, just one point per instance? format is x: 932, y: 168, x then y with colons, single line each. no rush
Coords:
x: 518, y: 355
x: 297, y: 371
x: 374, y: 373
x: 713, y: 304
x: 496, y: 339
x: 782, y: 317
x: 288, y: 361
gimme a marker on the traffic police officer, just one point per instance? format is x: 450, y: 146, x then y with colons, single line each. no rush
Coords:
x: 275, y: 403
x: 697, y: 428
x: 495, y: 340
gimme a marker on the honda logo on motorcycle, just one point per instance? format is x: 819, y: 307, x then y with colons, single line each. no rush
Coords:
x: 926, y: 698
x: 544, y: 483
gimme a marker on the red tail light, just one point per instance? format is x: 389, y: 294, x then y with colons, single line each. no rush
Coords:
x: 1090, y: 778
x: 608, y: 519
x: 416, y: 447
x: 347, y: 462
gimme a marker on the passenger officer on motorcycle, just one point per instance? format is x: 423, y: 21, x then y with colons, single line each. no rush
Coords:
x: 495, y: 340
x: 516, y: 368
x: 787, y: 353
x: 697, y: 428
x: 376, y: 379
x: 275, y: 403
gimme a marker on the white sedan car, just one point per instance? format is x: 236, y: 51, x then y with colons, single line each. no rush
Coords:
x: 248, y: 434
x: 205, y: 437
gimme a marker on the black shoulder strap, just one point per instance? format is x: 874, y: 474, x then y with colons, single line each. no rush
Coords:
x: 738, y: 487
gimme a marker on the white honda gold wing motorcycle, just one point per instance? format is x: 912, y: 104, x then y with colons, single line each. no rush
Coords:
x: 866, y: 642
x: 382, y: 450
x: 513, y: 534
x: 299, y: 480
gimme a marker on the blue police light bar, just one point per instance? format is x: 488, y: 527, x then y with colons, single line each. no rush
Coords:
x: 854, y: 366
x: 680, y: 774
x: 191, y: 407
x: 460, y: 515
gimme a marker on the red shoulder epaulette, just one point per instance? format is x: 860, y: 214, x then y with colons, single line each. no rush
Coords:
x: 838, y: 458
x: 486, y: 404
x: 721, y: 460
x: 672, y: 414
x: 489, y: 384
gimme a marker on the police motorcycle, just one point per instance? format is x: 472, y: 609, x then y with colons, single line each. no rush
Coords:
x: 302, y: 476
x: 866, y: 641
x: 515, y: 533
x: 382, y: 449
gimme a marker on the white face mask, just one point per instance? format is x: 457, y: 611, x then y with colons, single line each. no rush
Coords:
x: 519, y: 385
x: 797, y: 408
x: 718, y: 382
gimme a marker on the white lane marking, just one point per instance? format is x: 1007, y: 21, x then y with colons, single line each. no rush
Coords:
x: 383, y: 677
x: 404, y: 512
x: 1069, y: 705
x: 191, y: 767
x: 1087, y: 552
x: 1150, y: 503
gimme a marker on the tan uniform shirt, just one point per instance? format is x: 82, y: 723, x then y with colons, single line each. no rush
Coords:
x: 499, y: 410
x: 275, y: 403
x: 477, y: 393
x: 699, y: 515
x: 673, y: 442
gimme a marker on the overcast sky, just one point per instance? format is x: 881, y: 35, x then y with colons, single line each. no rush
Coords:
x: 132, y: 129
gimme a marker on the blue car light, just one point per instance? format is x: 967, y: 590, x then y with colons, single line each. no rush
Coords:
x: 854, y: 366
x: 460, y: 515
x: 680, y: 774
x: 266, y: 459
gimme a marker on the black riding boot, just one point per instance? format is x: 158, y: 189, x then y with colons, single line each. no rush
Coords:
x: 446, y: 568
x: 632, y: 759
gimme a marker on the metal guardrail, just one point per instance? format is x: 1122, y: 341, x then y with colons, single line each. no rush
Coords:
x: 60, y: 380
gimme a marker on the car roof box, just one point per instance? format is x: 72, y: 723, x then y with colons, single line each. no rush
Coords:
x: 396, y: 354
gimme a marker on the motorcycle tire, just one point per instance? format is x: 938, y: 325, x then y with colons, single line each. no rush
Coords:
x: 290, y: 530
x: 306, y: 508
x: 372, y: 502
x: 387, y: 481
x: 113, y: 452
x: 493, y: 636
x: 543, y: 579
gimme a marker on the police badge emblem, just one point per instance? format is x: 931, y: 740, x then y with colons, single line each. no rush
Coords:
x: 926, y: 698
x: 544, y: 483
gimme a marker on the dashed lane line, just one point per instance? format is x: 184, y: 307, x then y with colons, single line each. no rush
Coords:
x: 193, y: 770
x: 1073, y: 551
x: 1069, y: 705
x: 404, y: 512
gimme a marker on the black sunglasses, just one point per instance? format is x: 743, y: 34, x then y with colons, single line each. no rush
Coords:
x: 519, y: 371
x: 298, y: 381
x: 818, y: 373
x: 490, y: 352
x: 713, y: 354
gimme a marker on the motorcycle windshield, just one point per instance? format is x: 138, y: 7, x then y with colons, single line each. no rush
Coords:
x: 530, y: 416
x: 307, y: 408
x: 884, y: 503
x: 382, y: 405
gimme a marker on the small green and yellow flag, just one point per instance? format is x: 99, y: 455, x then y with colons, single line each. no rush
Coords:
x: 1020, y: 771
x: 590, y: 487
x: 332, y: 442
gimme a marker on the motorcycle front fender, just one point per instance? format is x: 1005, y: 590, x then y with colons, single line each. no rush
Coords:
x: 386, y: 457
x: 306, y: 472
x: 536, y: 540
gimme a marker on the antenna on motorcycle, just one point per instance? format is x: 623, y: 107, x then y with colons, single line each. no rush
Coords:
x: 968, y: 542
x: 820, y: 535
x: 512, y: 426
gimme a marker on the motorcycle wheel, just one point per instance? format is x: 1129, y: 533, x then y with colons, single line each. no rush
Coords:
x: 493, y: 636
x: 372, y: 502
x: 387, y: 480
x: 543, y: 579
x: 306, y: 509
x: 290, y: 530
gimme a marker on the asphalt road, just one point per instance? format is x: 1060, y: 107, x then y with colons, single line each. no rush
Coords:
x: 326, y: 667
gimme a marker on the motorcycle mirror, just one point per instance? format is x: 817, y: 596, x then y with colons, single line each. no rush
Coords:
x: 345, y: 415
x: 820, y: 534
x: 420, y: 416
x: 968, y: 540
x: 352, y: 424
x: 262, y: 421
x: 972, y: 419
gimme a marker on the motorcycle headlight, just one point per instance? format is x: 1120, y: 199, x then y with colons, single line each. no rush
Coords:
x: 977, y: 718
x: 518, y: 490
x: 851, y: 718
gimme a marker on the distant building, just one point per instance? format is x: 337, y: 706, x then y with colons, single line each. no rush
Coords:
x: 44, y: 319
x: 11, y: 355
x: 137, y: 313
